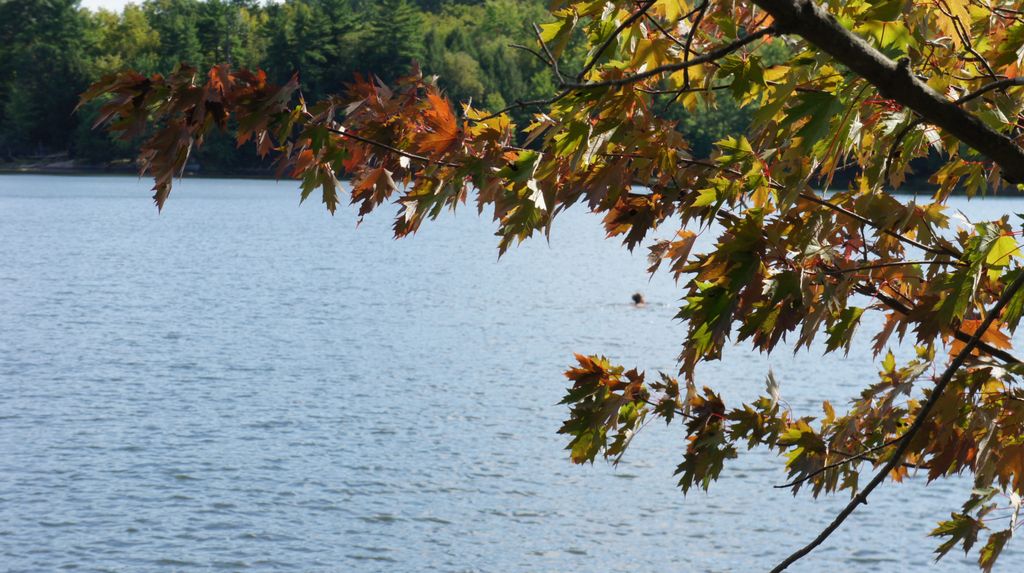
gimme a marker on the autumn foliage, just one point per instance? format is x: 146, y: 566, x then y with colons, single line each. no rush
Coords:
x: 868, y: 87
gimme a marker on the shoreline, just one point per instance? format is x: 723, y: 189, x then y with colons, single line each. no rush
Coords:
x: 127, y: 170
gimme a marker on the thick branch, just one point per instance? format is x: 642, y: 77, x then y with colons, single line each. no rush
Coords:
x: 996, y: 85
x: 915, y: 426
x: 895, y: 81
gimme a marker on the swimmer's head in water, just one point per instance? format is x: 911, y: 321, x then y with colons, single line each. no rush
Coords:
x: 638, y: 298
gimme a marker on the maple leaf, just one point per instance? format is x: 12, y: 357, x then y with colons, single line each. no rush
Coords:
x: 994, y: 336
x: 372, y: 189
x: 677, y: 250
x: 961, y: 529
x: 441, y: 131
x: 990, y: 552
x: 220, y: 80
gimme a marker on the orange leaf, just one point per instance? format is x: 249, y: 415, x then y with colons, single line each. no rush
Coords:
x: 441, y: 130
x: 994, y: 336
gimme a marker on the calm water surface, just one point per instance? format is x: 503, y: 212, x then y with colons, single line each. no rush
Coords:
x: 243, y: 383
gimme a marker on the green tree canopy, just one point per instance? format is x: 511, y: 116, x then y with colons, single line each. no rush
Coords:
x: 41, y: 69
x: 52, y: 50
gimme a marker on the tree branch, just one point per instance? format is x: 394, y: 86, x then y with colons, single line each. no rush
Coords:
x: 711, y: 56
x: 895, y: 81
x: 846, y: 460
x: 701, y: 11
x: 915, y: 426
x: 530, y: 50
x: 837, y: 208
x: 547, y: 52
x: 860, y: 218
x: 882, y: 265
x: 959, y: 334
x: 887, y: 300
x: 615, y: 34
x: 392, y: 149
x: 654, y: 22
x: 996, y: 85
x: 523, y: 103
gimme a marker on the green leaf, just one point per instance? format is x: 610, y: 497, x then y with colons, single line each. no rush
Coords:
x: 885, y: 10
x: 1003, y: 250
x: 961, y: 529
x: 990, y: 552
x: 841, y: 332
x: 891, y: 37
x: 705, y: 459
x: 819, y: 108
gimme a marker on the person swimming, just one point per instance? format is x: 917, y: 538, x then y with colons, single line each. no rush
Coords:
x: 638, y: 299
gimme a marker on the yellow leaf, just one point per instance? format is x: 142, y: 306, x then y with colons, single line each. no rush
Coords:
x: 776, y: 73
x: 650, y: 53
x: 670, y: 9
x: 1004, y: 249
x: 952, y: 17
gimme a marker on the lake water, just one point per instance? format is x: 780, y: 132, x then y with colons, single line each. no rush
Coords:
x: 246, y: 384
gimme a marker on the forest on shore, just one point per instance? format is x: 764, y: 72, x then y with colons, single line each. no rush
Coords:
x: 51, y: 50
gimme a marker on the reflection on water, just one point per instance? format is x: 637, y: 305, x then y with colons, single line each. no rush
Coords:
x: 245, y: 384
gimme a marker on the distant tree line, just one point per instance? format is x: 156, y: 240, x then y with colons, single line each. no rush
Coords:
x: 51, y: 50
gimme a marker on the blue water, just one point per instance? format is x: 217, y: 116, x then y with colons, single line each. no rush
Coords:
x: 246, y: 384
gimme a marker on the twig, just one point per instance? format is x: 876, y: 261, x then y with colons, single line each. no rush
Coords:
x: 959, y: 334
x: 998, y: 84
x: 894, y: 148
x: 962, y: 31
x: 547, y: 52
x: 701, y: 11
x: 870, y: 223
x: 915, y: 426
x: 615, y: 34
x: 382, y: 145
x: 812, y: 198
x: 888, y: 301
x: 847, y: 460
x: 886, y: 264
x: 654, y: 22
x: 530, y: 50
x: 680, y: 90
x: 678, y: 411
x: 703, y: 59
x: 521, y: 103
